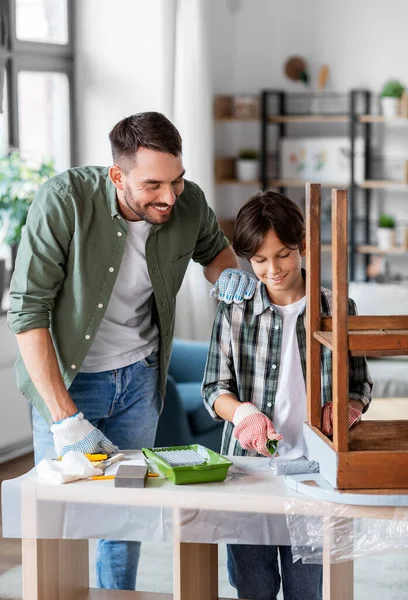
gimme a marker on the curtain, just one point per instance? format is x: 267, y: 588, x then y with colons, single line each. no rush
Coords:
x: 193, y: 117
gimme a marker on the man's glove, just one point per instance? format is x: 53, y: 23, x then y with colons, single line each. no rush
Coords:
x: 354, y: 416
x: 76, y: 433
x: 234, y: 285
x: 253, y: 429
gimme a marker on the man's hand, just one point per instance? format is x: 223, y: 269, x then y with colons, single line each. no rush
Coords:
x: 76, y: 433
x: 234, y: 285
x: 253, y: 429
x: 354, y: 417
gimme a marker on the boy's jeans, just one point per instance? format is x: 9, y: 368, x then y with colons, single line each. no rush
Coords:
x: 254, y: 572
x: 124, y: 404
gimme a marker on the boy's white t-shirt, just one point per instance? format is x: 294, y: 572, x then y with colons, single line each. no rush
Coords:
x: 290, y: 401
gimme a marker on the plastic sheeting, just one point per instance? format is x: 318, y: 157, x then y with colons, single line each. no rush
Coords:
x: 342, y: 533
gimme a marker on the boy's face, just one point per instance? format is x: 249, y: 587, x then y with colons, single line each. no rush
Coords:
x: 279, y: 268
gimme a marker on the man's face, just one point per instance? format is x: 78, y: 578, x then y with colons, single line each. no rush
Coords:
x: 149, y: 190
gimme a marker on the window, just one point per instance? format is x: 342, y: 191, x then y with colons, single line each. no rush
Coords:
x: 36, y: 59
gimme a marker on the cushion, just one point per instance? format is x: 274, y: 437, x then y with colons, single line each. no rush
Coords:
x: 198, y: 415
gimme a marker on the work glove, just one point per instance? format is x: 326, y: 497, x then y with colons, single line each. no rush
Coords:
x: 354, y: 416
x: 76, y: 433
x: 234, y: 285
x: 253, y: 429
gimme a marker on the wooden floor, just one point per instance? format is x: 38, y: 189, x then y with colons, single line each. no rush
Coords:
x: 10, y: 549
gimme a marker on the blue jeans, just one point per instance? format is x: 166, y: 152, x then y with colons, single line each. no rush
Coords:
x: 254, y: 572
x: 124, y: 404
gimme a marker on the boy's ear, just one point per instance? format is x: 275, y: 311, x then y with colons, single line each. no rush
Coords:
x: 302, y: 248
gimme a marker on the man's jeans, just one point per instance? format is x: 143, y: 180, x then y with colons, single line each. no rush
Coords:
x: 254, y: 572
x: 124, y: 404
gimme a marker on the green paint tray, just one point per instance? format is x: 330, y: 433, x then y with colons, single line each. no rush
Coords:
x: 213, y: 468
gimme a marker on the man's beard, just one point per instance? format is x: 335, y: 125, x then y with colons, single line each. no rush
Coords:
x: 141, y: 211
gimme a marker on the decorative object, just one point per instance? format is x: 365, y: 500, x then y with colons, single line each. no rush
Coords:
x: 296, y: 69
x: 326, y: 159
x: 316, y: 103
x: 386, y: 232
x: 247, y: 165
x: 390, y: 98
x: 246, y: 107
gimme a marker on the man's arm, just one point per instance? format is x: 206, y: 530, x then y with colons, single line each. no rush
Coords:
x: 224, y: 260
x: 38, y: 353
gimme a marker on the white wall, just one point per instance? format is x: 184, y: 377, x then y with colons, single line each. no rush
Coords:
x: 121, y: 60
x: 363, y: 41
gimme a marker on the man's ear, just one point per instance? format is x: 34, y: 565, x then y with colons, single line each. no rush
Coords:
x: 116, y: 177
x: 302, y: 248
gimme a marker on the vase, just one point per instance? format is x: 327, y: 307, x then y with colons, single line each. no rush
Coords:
x: 247, y: 169
x: 386, y: 238
x: 389, y: 107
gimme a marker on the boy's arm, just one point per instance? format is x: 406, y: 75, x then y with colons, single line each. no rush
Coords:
x: 219, y: 388
x: 360, y: 382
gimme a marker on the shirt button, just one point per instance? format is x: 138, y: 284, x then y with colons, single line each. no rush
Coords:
x: 111, y: 269
x: 73, y: 367
x: 269, y: 404
x: 273, y: 366
x: 119, y: 234
x: 100, y: 305
x: 87, y: 337
x: 276, y: 326
x: 153, y: 271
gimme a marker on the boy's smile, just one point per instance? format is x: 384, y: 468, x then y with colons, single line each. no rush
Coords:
x: 279, y: 268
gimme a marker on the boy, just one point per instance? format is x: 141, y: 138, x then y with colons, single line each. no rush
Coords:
x: 255, y: 377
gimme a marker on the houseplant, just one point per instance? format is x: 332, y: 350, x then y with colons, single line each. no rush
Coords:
x: 247, y: 165
x: 390, y: 98
x: 19, y: 181
x: 386, y: 232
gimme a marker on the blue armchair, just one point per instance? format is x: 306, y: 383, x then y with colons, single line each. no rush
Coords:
x: 184, y: 419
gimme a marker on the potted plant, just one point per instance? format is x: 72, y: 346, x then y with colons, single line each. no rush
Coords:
x: 390, y: 98
x: 386, y: 232
x: 19, y: 181
x: 247, y: 165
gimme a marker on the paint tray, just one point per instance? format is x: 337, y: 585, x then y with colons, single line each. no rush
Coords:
x: 188, y: 464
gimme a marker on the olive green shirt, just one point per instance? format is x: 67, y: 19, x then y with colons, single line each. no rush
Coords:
x: 69, y: 257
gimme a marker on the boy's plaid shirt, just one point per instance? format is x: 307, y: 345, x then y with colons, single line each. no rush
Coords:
x: 244, y: 359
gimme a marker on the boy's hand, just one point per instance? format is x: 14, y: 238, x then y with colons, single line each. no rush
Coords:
x: 253, y: 429
x: 354, y: 417
x: 234, y: 285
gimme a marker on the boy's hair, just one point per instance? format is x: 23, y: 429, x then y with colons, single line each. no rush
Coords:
x: 264, y: 212
x: 144, y: 130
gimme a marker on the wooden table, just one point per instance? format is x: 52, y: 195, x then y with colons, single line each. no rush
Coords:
x: 58, y: 569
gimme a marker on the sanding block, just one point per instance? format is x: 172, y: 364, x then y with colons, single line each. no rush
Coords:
x: 131, y: 476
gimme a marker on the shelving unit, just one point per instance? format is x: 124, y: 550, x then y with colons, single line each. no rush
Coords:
x: 358, y: 123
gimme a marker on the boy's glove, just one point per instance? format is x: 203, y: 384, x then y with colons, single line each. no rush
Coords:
x: 253, y: 429
x: 234, y: 285
x: 76, y: 433
x: 354, y: 416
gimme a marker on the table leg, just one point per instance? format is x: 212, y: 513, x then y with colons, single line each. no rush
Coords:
x: 55, y: 569
x: 195, y: 571
x: 338, y: 576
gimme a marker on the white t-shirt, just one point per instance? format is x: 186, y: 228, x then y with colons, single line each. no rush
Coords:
x: 290, y: 401
x: 127, y: 333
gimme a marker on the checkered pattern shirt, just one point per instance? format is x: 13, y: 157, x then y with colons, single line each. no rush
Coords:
x: 244, y: 359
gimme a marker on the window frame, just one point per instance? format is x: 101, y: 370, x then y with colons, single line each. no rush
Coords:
x: 18, y: 55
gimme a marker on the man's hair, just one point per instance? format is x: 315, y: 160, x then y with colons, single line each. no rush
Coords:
x: 150, y: 130
x: 264, y: 212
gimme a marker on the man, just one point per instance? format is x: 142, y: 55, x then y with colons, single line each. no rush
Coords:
x: 102, y: 257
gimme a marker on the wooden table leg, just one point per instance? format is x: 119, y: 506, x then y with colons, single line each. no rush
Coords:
x: 195, y: 569
x: 55, y: 569
x: 338, y: 577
